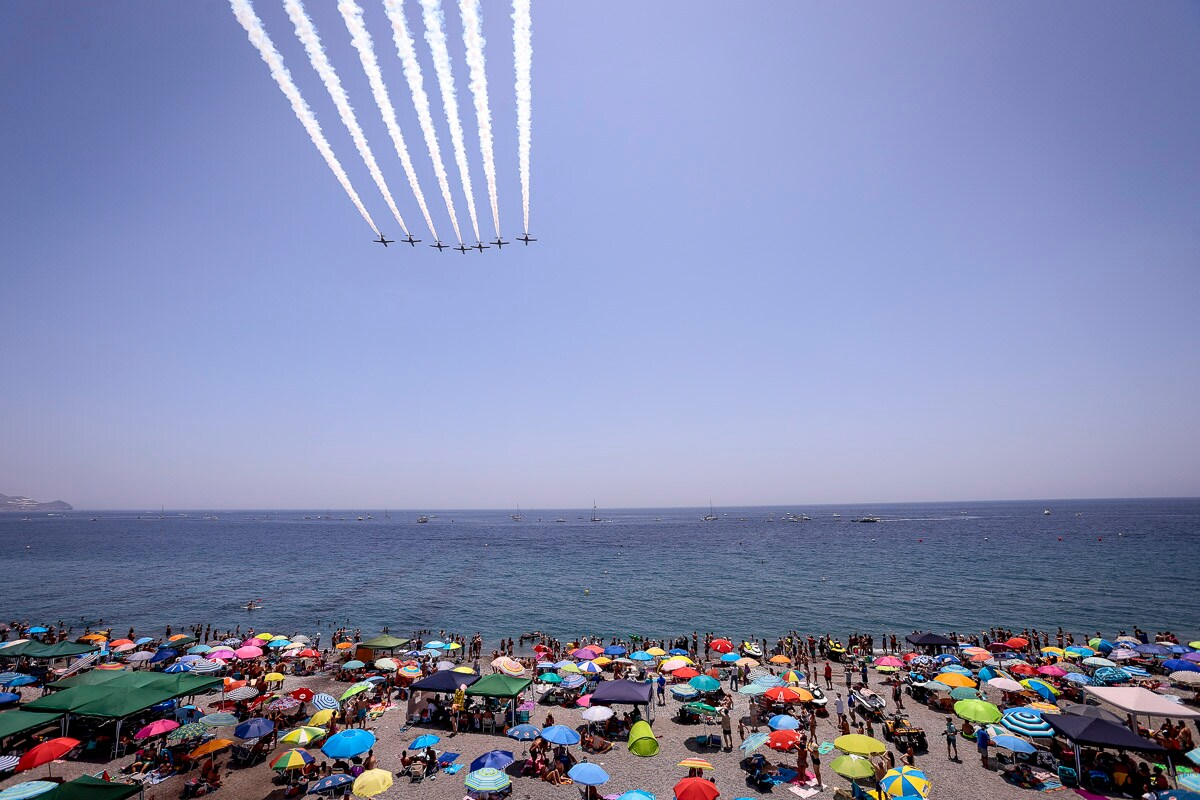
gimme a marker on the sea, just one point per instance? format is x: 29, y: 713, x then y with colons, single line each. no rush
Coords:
x: 1088, y: 566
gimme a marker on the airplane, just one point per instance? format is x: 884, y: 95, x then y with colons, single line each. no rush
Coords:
x: 462, y: 248
x: 480, y: 246
x: 500, y: 243
x: 526, y: 239
x: 410, y: 240
x: 383, y: 241
x: 440, y: 247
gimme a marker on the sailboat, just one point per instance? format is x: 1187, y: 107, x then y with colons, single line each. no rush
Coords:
x: 711, y: 516
x: 594, y: 517
x: 517, y: 516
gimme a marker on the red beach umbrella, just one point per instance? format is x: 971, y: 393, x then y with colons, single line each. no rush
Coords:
x: 1017, y: 643
x: 1023, y: 669
x: 721, y: 646
x: 46, y: 752
x: 687, y: 673
x: 783, y: 694
x: 696, y: 789
x: 783, y: 740
x: 302, y: 694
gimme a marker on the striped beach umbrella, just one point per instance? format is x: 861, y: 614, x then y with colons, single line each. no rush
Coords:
x: 754, y: 741
x: 8, y: 762
x: 695, y: 763
x: 488, y: 779
x: 324, y: 702
x: 292, y: 759
x: 1027, y: 723
x: 205, y: 667
x: 905, y: 782
x: 792, y: 676
x: 178, y: 667
x: 219, y: 720
x: 1042, y: 688
x: 242, y: 693
x: 589, y: 668
x: 410, y: 671
x: 1108, y: 675
x: 302, y: 735
x: 28, y: 789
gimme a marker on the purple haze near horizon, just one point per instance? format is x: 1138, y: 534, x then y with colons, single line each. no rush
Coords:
x: 793, y: 254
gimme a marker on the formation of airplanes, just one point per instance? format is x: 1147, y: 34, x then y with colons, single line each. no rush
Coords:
x: 462, y: 247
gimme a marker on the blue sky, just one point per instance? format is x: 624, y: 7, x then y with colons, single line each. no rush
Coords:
x: 789, y: 253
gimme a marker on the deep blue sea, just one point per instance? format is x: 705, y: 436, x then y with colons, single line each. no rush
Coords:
x: 1088, y: 566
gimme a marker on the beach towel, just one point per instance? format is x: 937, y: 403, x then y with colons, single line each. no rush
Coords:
x: 801, y: 791
x: 452, y: 769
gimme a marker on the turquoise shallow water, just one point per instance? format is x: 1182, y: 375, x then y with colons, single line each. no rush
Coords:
x: 945, y: 566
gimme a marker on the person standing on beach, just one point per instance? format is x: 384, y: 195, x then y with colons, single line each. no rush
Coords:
x: 828, y: 676
x: 840, y: 708
x: 727, y: 729
x: 982, y: 741
x: 661, y: 683
x: 951, y: 734
x: 849, y: 677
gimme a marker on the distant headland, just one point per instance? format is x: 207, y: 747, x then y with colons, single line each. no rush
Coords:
x: 15, y: 504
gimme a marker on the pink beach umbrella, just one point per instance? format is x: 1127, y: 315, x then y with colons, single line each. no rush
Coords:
x: 220, y: 652
x: 252, y: 642
x: 584, y: 701
x: 1053, y: 671
x: 157, y: 728
x: 248, y: 652
x: 888, y: 661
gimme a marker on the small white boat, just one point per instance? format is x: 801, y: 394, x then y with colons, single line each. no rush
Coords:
x: 422, y: 519
x: 1046, y: 512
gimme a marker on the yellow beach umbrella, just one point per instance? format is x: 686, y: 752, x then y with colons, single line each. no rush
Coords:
x: 569, y: 668
x: 656, y: 651
x: 454, y: 646
x: 372, y: 782
x: 274, y: 676
x: 695, y: 763
x: 1054, y: 651
x: 464, y: 670
x: 302, y: 735
x: 1043, y: 706
x: 322, y: 717
x: 344, y: 645
x: 601, y: 661
x: 266, y: 637
x: 859, y: 745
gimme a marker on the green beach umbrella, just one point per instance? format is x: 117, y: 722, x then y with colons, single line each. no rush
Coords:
x: 701, y: 708
x: 978, y: 711
x: 357, y: 688
x: 857, y: 744
x: 853, y: 767
x: 193, y: 730
x: 963, y: 693
x: 550, y: 677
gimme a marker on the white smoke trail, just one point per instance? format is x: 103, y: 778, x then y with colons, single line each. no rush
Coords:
x: 523, y: 64
x: 431, y: 12
x: 473, y: 40
x: 266, y: 48
x: 416, y: 84
x: 361, y: 38
x: 306, y: 32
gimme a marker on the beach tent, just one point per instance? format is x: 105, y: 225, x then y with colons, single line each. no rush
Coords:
x: 20, y: 721
x: 179, y: 683
x: 85, y: 787
x: 623, y: 691
x: 498, y: 686
x: 641, y: 739
x: 444, y: 681
x: 1100, y: 733
x: 929, y: 640
x: 39, y: 650
x: 378, y: 647
x: 1140, y: 702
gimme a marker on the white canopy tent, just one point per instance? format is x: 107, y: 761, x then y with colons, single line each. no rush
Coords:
x: 1141, y: 702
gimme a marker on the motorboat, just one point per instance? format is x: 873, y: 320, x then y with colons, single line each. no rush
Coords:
x: 1046, y: 512
x: 867, y: 519
x: 872, y: 703
x: 422, y: 519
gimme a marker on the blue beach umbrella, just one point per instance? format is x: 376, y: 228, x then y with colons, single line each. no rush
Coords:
x: 1079, y: 679
x: 199, y: 649
x: 615, y: 650
x: 963, y: 693
x: 753, y: 689
x: 640, y: 655
x: 421, y: 742
x: 163, y: 654
x: 588, y: 668
x: 767, y: 681
x: 783, y: 722
x: 487, y: 779
x: 349, y: 743
x: 1152, y: 649
x: 496, y: 759
x: 1111, y: 675
x: 353, y: 664
x: 39, y: 629
x: 1136, y: 672
x: 946, y: 658
x: 523, y: 733
x: 754, y: 741
x: 573, y: 681
x: 685, y: 692
x: 435, y: 645
x: 182, y: 666
x: 677, y: 652
x: 588, y: 774
x: 21, y: 680
x: 728, y: 658
x: 1013, y: 744
x: 254, y: 728
x: 560, y: 734
x: 334, y: 781
x: 1190, y: 781
x: 219, y: 720
x: 564, y: 664
x: 955, y: 668
x: 906, y: 782
x: 189, y: 659
x: 9, y: 697
x: 23, y: 791
x: 146, y: 640
x: 323, y: 702
x: 1180, y: 665
x: 636, y: 794
x: 1080, y: 650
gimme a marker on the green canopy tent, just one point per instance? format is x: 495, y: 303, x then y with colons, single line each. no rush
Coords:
x: 40, y: 650
x: 20, y: 721
x: 503, y: 686
x: 179, y: 683
x: 642, y: 741
x: 86, y: 787
x: 375, y: 648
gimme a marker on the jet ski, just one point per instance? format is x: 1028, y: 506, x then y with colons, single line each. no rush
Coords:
x: 819, y: 699
x: 865, y: 699
x: 836, y: 651
x: 751, y: 649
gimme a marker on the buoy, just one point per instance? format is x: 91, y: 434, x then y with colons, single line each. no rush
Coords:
x: 823, y: 578
x: 1060, y: 538
x: 920, y: 540
x: 985, y: 538
x: 587, y: 591
x: 1099, y: 538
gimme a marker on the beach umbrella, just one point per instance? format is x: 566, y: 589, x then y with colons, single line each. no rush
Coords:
x: 560, y: 734
x: 978, y: 711
x: 1123, y: 654
x: 283, y: 704
x: 905, y: 781
x: 1005, y: 685
x: 198, y: 649
x: 635, y: 794
x: 348, y: 743
x: 353, y: 663
x: 206, y: 666
x: 140, y: 656
x: 729, y: 658
x: 721, y: 645
x: 192, y: 730
x: 1052, y: 671
x: 786, y: 694
x: 242, y: 693
x: 888, y: 661
x: 292, y: 759
x: 780, y: 659
x: 752, y: 689
x: 211, y: 746
x: 1180, y: 665
x: 254, y: 728
x: 410, y: 671
x: 1111, y: 675
x: 656, y: 651
x: 1054, y: 651
x: 1027, y: 723
x: 388, y: 664
x: 156, y: 728
x: 487, y: 779
x: 684, y: 692
x: 1013, y: 744
x: 424, y: 741
x: 219, y: 720
x: 28, y: 789
x: 302, y: 735
x: 705, y: 684
x: 21, y: 680
x: 1192, y: 655
x: 508, y: 666
x: 523, y: 733
x: 783, y: 740
x: 1079, y: 650
x: 853, y: 767
x: 322, y: 717
x: 550, y: 677
x: 686, y: 673
x: 695, y: 763
x: 1185, y: 678
x: 246, y: 653
x: 571, y: 667
x: 746, y: 661
x: 1042, y: 688
x: 355, y: 688
x: 701, y: 708
x: 372, y: 782
x: 496, y: 759
x: 597, y: 713
x: 677, y: 651
x: 696, y: 789
x: 573, y: 682
x: 857, y: 744
x: 337, y: 780
x: 783, y: 722
x: 1153, y: 649
x: 1079, y: 678
x: 308, y: 652
x: 9, y: 697
x: 46, y: 752
x: 1135, y: 672
x: 274, y: 677
x: 1098, y: 661
x: 792, y: 676
x: 955, y: 681
x: 587, y: 774
x: 590, y: 668
x: 963, y: 693
x: 615, y: 650
x: 754, y: 741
